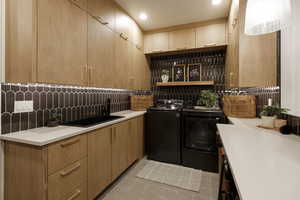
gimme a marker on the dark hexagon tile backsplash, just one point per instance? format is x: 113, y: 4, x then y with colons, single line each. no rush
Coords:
x: 74, y: 103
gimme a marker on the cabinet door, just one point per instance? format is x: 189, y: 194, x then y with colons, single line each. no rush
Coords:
x: 147, y: 43
x: 140, y: 137
x: 100, y: 55
x: 119, y: 148
x: 123, y: 23
x: 62, y: 42
x: 232, y: 55
x: 135, y: 72
x: 182, y: 39
x: 140, y: 75
x: 133, y: 141
x: 123, y: 59
x: 105, y: 9
x: 20, y: 51
x: 145, y: 77
x: 257, y: 56
x: 157, y: 42
x: 211, y: 35
x: 137, y: 36
x: 99, y: 161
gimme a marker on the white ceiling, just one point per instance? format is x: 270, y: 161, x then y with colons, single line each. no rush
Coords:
x: 166, y: 13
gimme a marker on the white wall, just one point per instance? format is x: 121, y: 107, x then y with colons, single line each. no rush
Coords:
x: 290, y: 64
x: 2, y: 41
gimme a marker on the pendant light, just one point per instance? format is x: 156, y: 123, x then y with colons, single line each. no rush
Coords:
x: 266, y: 16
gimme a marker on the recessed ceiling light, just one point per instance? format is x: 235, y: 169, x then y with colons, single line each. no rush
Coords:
x: 143, y: 16
x: 216, y: 2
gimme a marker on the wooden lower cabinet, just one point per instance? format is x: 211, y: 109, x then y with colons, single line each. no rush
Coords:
x: 140, y: 137
x: 132, y: 141
x: 119, y: 148
x: 99, y: 161
x: 25, y: 172
x: 64, y: 182
x: 66, y: 152
x: 77, y: 168
x: 136, y: 140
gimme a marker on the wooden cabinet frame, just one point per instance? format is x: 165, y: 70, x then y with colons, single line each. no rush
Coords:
x: 81, y: 166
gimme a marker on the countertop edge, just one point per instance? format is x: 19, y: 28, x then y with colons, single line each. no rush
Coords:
x: 10, y: 138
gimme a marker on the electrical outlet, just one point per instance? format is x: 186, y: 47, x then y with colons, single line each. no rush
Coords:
x: 23, y: 106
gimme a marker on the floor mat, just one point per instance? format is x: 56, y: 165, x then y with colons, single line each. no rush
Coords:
x: 174, y: 175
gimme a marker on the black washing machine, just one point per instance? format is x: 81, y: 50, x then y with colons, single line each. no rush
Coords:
x: 163, y: 126
x: 199, y: 138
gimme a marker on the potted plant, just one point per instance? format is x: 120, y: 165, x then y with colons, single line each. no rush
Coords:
x: 207, y: 98
x: 270, y: 113
x: 54, y: 119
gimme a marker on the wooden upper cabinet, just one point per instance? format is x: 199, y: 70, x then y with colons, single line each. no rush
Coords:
x: 105, y: 9
x: 211, y: 35
x: 232, y: 54
x: 123, y: 61
x: 99, y: 161
x: 251, y: 60
x: 146, y: 73
x: 62, y: 42
x: 140, y: 72
x: 123, y: 23
x: 257, y: 56
x: 160, y: 42
x: 182, y: 39
x: 101, y: 55
x: 20, y: 51
x: 156, y: 42
x: 137, y: 36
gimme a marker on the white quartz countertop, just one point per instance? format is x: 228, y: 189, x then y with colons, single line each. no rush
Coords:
x: 265, y: 164
x: 45, y: 135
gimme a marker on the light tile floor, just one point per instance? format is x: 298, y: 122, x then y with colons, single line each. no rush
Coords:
x: 129, y: 187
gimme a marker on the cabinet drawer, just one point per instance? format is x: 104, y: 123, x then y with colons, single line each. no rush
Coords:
x: 65, y: 152
x: 65, y: 181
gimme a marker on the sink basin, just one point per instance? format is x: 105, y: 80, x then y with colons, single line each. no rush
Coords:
x: 92, y: 121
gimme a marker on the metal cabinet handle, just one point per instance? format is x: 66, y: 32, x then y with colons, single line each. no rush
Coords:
x: 86, y: 74
x: 65, y: 144
x: 90, y: 76
x: 111, y: 135
x: 210, y: 45
x: 67, y: 172
x: 76, y: 194
x: 115, y: 133
x: 157, y: 51
x: 101, y: 20
x: 124, y: 36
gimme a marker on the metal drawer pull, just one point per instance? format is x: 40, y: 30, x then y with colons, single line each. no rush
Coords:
x: 65, y: 173
x: 124, y: 36
x: 76, y: 194
x: 69, y: 143
x: 210, y: 45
